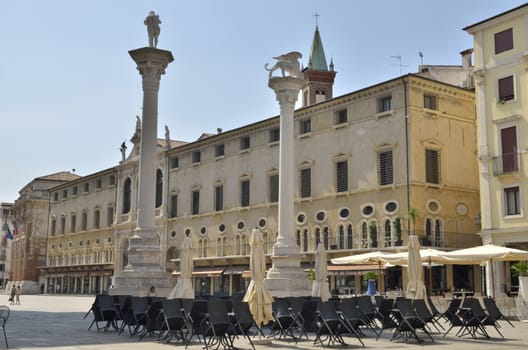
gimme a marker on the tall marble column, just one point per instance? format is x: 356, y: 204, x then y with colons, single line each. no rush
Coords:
x: 144, y: 266
x: 286, y: 277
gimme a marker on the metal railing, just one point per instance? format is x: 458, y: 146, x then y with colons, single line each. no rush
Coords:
x: 506, y: 163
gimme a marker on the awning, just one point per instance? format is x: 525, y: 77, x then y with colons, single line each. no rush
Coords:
x: 204, y: 271
x: 350, y: 269
x: 235, y: 269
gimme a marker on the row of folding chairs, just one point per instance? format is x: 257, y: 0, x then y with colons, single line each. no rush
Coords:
x: 215, y: 322
x: 471, y: 318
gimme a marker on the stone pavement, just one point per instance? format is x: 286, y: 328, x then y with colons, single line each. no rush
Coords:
x: 56, y: 322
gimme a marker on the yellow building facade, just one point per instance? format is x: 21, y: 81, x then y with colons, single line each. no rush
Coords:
x: 501, y: 63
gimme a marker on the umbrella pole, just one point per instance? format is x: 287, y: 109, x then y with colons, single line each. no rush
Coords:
x: 430, y: 278
x: 492, y: 278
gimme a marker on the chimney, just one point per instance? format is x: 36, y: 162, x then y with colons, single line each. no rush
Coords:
x: 466, y: 58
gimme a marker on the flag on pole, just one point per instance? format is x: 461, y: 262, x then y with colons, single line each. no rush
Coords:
x: 8, y: 234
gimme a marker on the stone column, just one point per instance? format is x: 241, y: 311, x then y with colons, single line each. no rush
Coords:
x: 286, y: 278
x: 144, y: 265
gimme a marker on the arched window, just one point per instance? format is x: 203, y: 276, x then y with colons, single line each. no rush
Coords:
x: 341, y: 230
x: 428, y: 227
x: 305, y: 240
x: 350, y: 237
x: 438, y: 233
x: 388, y: 236
x: 237, y: 245
x: 317, y: 236
x: 159, y: 188
x: 127, y: 195
x: 224, y: 246
x: 326, y: 237
x: 204, y: 247
x: 299, y: 239
x: 244, y: 249
x: 364, y: 235
x: 219, y: 246
x: 266, y: 243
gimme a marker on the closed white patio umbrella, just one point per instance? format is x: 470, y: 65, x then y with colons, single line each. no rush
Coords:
x: 320, y: 285
x: 257, y: 295
x: 415, y: 284
x: 184, y: 286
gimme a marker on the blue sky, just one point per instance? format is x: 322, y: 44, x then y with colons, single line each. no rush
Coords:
x: 69, y: 92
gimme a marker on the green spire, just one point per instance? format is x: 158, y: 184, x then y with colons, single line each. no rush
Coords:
x: 317, y: 55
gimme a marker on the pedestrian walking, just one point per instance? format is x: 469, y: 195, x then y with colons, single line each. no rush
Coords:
x: 12, y: 295
x: 17, y: 294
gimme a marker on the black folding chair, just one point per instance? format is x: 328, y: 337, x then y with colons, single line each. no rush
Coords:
x: 367, y: 309
x: 451, y: 315
x: 197, y: 311
x: 353, y: 318
x: 306, y: 317
x: 330, y: 326
x: 153, y: 321
x: 283, y: 324
x: 174, y: 321
x: 494, y: 311
x: 476, y: 319
x: 386, y: 316
x: 134, y: 318
x: 425, y: 314
x: 104, y: 310
x: 410, y: 322
x: 4, y: 316
x: 243, y: 321
x: 216, y: 327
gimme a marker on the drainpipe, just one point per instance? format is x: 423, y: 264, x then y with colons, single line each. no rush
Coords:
x: 407, y: 166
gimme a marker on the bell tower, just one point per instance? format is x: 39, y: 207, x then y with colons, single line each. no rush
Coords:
x: 318, y: 79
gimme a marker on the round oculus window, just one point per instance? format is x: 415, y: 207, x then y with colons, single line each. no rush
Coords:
x: 367, y: 210
x: 461, y: 209
x: 391, y: 207
x: 344, y: 213
x: 433, y: 206
x: 221, y: 228
x: 241, y: 225
x: 320, y: 216
x: 188, y: 232
x: 301, y: 218
x: 262, y: 223
x: 173, y: 234
x: 203, y: 230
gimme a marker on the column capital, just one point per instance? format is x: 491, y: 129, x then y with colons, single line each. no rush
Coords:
x: 151, y: 63
x: 286, y: 88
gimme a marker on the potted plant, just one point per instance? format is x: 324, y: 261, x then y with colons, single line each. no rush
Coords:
x: 412, y: 213
x: 310, y: 274
x: 371, y: 277
x: 521, y: 269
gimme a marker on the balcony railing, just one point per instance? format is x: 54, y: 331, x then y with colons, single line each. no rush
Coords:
x: 506, y: 164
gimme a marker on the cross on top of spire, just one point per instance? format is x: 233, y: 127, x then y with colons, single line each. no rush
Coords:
x: 316, y: 17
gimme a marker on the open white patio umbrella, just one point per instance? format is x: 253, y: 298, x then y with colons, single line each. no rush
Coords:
x: 415, y: 284
x: 184, y: 286
x: 320, y: 285
x: 376, y: 257
x: 485, y: 253
x: 257, y: 295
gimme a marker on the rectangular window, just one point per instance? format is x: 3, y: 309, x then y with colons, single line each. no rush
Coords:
x: 432, y: 166
x: 84, y: 221
x: 219, y: 150
x: 74, y: 191
x: 219, y: 198
x: 430, y: 102
x: 109, y: 216
x: 98, y: 183
x: 63, y: 224
x: 503, y: 41
x: 111, y: 180
x: 506, y: 89
x: 245, y: 143
x: 385, y: 168
x: 196, y: 157
x: 341, y: 117
x: 53, y: 226
x: 97, y: 219
x: 195, y: 202
x: 305, y: 126
x: 306, y: 183
x: 274, y: 188
x: 342, y: 176
x: 511, y: 199
x: 64, y: 194
x: 174, y: 162
x: 86, y: 187
x: 173, y: 211
x: 73, y: 223
x: 56, y: 196
x: 244, y: 193
x: 509, y: 149
x: 274, y: 135
x: 385, y: 104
